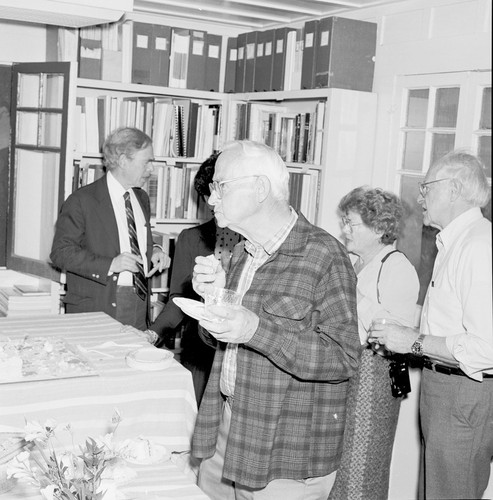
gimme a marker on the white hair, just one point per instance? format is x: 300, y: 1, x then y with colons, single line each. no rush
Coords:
x: 258, y: 159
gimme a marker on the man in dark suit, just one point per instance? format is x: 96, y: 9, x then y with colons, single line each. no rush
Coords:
x: 103, y: 236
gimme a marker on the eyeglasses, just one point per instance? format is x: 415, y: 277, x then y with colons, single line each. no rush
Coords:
x: 424, y: 186
x: 347, y: 223
x: 217, y: 186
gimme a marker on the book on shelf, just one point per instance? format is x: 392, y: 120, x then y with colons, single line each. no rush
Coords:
x: 196, y: 60
x: 230, y: 69
x: 178, y: 60
x: 111, y: 52
x: 309, y: 54
x: 213, y: 62
x: 90, y: 52
x: 264, y: 61
x: 240, y: 62
x: 142, y: 47
x: 290, y: 59
x: 86, y: 171
x: 345, y: 55
x: 279, y: 58
x: 250, y: 66
x: 160, y: 54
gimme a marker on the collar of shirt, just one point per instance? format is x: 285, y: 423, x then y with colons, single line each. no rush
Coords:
x: 456, y: 228
x: 276, y: 241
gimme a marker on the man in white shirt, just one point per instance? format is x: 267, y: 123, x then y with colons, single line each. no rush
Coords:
x: 456, y: 336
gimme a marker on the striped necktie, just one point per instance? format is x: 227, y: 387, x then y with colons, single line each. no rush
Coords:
x: 139, y: 278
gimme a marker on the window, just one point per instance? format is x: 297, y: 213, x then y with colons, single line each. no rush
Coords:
x: 438, y: 113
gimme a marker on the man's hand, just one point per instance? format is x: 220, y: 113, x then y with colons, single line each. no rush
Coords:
x: 126, y: 261
x: 207, y: 271
x: 235, y: 324
x: 395, y: 338
x: 160, y: 262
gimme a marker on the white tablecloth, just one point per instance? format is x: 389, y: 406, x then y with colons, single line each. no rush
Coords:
x: 157, y: 405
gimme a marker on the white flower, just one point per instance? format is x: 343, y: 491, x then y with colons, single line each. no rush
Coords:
x: 48, y: 493
x: 40, y: 433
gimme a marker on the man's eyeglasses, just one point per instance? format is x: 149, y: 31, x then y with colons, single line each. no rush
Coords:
x: 424, y: 186
x: 217, y: 186
x: 347, y: 223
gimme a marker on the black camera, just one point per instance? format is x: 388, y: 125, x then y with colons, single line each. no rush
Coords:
x: 399, y: 376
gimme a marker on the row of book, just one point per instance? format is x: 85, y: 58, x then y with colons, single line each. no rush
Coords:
x: 154, y: 55
x: 178, y: 127
x: 172, y: 194
x: 330, y: 52
x: 303, y: 189
x: 297, y: 137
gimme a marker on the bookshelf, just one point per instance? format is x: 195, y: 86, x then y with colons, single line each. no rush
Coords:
x: 325, y: 134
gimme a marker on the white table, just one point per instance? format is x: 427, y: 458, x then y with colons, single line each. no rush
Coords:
x: 155, y: 404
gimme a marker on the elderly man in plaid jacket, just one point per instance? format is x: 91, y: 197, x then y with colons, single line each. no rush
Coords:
x: 271, y: 422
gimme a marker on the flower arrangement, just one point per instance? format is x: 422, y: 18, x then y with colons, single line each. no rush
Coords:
x: 65, y: 475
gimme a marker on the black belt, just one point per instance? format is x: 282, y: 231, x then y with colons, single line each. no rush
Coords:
x: 447, y: 370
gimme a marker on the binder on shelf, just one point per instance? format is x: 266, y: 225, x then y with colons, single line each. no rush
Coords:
x: 193, y: 120
x: 111, y: 52
x: 279, y: 58
x: 263, y: 61
x: 295, y: 80
x: 90, y: 52
x: 240, y: 62
x: 230, y: 69
x: 345, y: 54
x: 178, y: 60
x: 251, y: 45
x: 160, y: 55
x: 142, y: 48
x: 196, y: 60
x: 290, y: 59
x: 309, y: 54
x: 213, y: 61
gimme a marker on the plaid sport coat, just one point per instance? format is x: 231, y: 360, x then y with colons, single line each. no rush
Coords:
x: 291, y: 382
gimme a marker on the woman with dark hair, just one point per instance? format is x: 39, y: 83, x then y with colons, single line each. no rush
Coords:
x: 387, y: 289
x: 202, y: 240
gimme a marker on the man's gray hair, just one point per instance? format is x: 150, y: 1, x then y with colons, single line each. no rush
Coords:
x: 469, y: 170
x: 126, y: 141
x: 261, y: 160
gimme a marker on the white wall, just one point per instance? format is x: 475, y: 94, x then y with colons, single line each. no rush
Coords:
x: 22, y: 42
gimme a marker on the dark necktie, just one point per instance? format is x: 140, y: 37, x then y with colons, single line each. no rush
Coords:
x: 138, y: 277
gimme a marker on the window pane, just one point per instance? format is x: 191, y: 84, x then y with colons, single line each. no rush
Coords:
x: 417, y: 108
x: 51, y: 129
x: 35, y: 203
x: 52, y: 95
x: 413, y: 151
x: 441, y: 145
x: 485, y: 122
x: 28, y: 91
x: 484, y: 152
x: 27, y: 128
x: 447, y: 103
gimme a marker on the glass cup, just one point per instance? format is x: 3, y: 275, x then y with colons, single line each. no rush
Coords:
x: 380, y: 349
x: 224, y: 297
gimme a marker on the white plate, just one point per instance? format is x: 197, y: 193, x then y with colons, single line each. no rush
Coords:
x: 150, y: 452
x: 193, y: 308
x: 149, y: 358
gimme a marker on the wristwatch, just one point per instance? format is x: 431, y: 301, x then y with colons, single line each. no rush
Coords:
x: 417, y: 347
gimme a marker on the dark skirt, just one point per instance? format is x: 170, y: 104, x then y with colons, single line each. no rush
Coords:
x: 371, y: 421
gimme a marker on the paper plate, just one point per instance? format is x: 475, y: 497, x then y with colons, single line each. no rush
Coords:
x: 149, y: 358
x: 192, y: 308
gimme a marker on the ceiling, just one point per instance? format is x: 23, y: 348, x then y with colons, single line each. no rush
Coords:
x: 252, y: 14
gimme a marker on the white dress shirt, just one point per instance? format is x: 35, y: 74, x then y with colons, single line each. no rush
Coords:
x: 117, y: 191
x: 458, y: 304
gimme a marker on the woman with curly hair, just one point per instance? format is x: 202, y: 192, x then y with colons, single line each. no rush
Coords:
x: 387, y: 288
